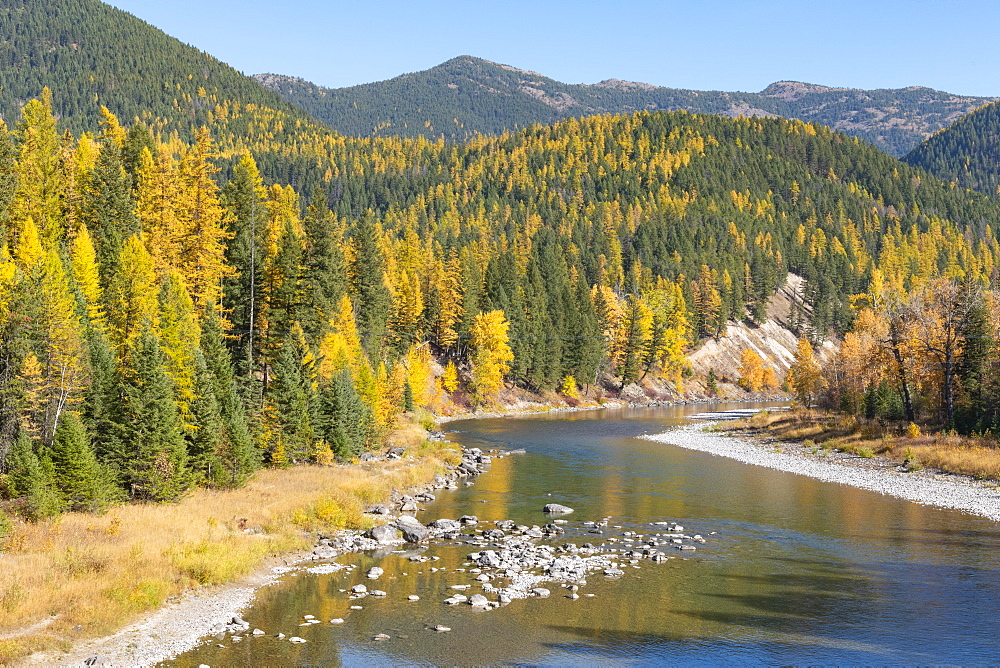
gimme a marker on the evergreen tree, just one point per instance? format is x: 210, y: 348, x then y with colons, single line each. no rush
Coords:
x: 31, y: 478
x: 156, y: 462
x: 79, y: 477
x: 344, y: 419
x: 324, y: 269
x: 243, y: 197
x: 373, y: 299
x: 292, y: 396
x: 238, y: 455
x: 108, y: 207
x: 8, y: 182
x: 206, y: 434
x: 102, y: 403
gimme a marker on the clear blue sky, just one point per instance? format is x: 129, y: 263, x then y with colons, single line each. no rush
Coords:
x: 701, y: 44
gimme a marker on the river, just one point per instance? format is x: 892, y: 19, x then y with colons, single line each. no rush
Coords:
x: 794, y: 570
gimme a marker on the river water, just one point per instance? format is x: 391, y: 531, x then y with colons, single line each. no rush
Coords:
x: 797, y: 571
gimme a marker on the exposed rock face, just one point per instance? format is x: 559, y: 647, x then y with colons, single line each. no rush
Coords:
x: 774, y: 340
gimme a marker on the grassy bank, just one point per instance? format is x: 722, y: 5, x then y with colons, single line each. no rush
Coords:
x: 976, y: 456
x: 85, y: 575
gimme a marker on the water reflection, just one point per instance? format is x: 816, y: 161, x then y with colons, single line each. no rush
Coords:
x: 797, y: 571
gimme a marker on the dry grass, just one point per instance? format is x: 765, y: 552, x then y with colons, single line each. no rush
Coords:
x: 91, y: 575
x: 977, y: 456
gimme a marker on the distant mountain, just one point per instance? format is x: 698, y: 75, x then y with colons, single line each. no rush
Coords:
x: 967, y: 152
x: 466, y: 95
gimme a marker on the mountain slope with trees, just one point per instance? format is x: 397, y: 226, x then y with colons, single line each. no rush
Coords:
x: 967, y: 152
x: 468, y: 95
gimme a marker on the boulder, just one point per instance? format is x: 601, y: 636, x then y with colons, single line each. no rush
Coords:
x: 407, y: 521
x: 324, y: 552
x: 416, y: 534
x: 383, y: 533
x: 379, y: 510
x: 445, y: 524
x: 375, y: 572
x: 556, y: 509
x: 478, y: 601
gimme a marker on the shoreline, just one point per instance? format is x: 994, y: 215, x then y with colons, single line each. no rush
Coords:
x: 612, y: 404
x: 201, y: 612
x: 881, y: 475
x: 193, y: 614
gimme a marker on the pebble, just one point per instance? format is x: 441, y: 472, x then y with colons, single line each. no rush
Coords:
x: 441, y: 628
x: 413, y: 597
x: 296, y: 639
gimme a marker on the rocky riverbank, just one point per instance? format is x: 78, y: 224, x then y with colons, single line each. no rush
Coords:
x: 506, y: 562
x: 877, y: 474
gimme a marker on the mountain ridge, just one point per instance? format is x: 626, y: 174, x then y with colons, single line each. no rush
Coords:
x: 467, y: 95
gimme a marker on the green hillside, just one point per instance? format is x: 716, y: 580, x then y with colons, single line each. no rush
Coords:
x: 91, y: 55
x: 967, y: 152
x: 467, y: 95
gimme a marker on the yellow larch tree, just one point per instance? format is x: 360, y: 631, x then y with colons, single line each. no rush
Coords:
x: 806, y: 375
x: 202, y: 242
x: 341, y: 345
x: 132, y: 295
x: 86, y: 274
x: 751, y: 370
x: 179, y: 337
x: 490, y: 354
x: 157, y: 192
x: 64, y: 366
x: 38, y: 184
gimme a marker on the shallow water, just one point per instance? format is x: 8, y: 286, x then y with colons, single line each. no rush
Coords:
x: 798, y: 571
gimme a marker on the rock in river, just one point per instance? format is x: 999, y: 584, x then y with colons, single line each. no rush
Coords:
x: 383, y: 534
x: 556, y: 509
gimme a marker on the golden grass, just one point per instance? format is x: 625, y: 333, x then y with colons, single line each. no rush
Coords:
x: 977, y: 456
x: 93, y: 574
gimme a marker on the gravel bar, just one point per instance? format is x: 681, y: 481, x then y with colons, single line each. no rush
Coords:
x: 956, y: 492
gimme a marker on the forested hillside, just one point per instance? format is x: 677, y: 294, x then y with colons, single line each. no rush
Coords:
x: 967, y: 152
x: 161, y: 327
x: 467, y: 95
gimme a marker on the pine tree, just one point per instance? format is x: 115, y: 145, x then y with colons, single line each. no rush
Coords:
x: 344, y: 419
x: 156, y: 463
x: 206, y: 431
x: 108, y: 208
x: 8, y: 183
x: 243, y: 197
x: 324, y: 270
x: 31, y: 479
x: 102, y: 404
x: 78, y: 475
x: 293, y: 397
x: 373, y: 300
x: 237, y: 453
